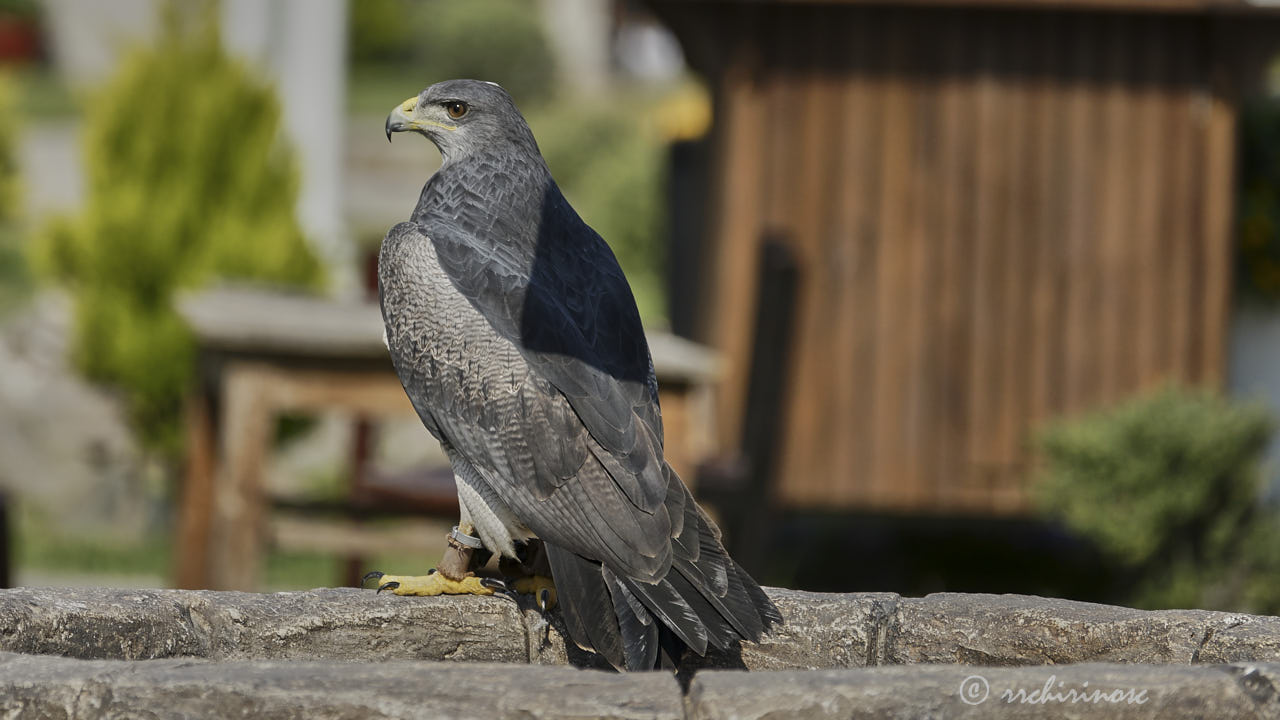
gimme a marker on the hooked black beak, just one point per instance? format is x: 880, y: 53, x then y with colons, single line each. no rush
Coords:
x: 399, y: 119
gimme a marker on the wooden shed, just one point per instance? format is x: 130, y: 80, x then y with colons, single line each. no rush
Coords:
x: 1002, y: 212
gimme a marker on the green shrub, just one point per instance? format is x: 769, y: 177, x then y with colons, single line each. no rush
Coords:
x: 1168, y: 485
x: 425, y: 42
x: 187, y: 181
x: 381, y: 31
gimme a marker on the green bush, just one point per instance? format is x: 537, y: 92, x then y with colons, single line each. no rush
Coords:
x: 1168, y: 485
x: 187, y: 182
x: 425, y: 42
x: 381, y: 31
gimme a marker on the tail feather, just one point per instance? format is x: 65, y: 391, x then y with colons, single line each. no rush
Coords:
x: 639, y: 629
x: 720, y: 631
x: 733, y: 605
x: 673, y: 610
x: 759, y: 600
x: 580, y: 587
x: 704, y: 600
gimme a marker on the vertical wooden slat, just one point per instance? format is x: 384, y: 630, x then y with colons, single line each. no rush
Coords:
x: 928, y: 404
x: 1219, y: 195
x: 1047, y: 223
x: 1015, y: 266
x: 893, y: 258
x: 956, y: 182
x: 1179, y: 230
x: 920, y: 234
x: 990, y: 188
x: 1079, y: 369
x: 1111, y: 197
x: 1149, y: 173
x: 854, y: 336
x: 741, y: 117
x: 809, y: 176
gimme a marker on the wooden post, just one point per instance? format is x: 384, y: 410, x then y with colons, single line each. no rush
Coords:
x: 191, y: 557
x: 237, y: 537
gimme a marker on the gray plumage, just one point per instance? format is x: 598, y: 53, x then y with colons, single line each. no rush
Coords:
x: 516, y: 337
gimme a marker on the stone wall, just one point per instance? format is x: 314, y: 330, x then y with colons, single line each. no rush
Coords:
x: 350, y: 653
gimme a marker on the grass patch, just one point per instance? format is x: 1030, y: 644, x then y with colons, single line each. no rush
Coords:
x: 37, y: 547
x: 300, y: 570
x: 48, y: 552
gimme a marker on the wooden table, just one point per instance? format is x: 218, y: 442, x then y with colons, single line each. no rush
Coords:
x: 262, y: 354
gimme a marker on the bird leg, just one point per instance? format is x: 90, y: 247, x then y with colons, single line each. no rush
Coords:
x: 456, y: 563
x: 531, y: 573
x: 453, y: 577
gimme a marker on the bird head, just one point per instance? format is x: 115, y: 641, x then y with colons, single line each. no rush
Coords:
x: 461, y: 117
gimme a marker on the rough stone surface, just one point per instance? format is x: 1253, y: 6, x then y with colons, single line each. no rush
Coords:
x: 1124, y: 691
x: 821, y: 630
x: 976, y: 629
x: 339, y: 623
x: 34, y: 687
x: 348, y: 653
x: 53, y: 687
x: 1240, y: 638
x: 1101, y: 691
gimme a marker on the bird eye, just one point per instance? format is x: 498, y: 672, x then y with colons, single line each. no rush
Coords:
x: 456, y: 109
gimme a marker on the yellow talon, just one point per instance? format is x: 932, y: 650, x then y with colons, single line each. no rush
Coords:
x: 542, y: 588
x: 433, y: 584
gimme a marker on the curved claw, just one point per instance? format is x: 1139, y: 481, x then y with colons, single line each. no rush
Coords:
x: 544, y: 599
x: 500, y: 588
x: 388, y: 586
x: 371, y: 576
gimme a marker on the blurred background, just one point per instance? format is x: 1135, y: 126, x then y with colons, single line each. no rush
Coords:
x: 969, y: 295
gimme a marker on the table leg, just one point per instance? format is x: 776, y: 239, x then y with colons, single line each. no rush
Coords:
x: 191, y: 557
x: 238, y: 537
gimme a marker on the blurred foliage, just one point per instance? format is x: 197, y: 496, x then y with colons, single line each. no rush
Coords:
x: 44, y: 95
x: 187, y: 181
x: 14, y: 277
x: 610, y: 163
x: 1258, y: 212
x: 425, y: 42
x: 1168, y: 485
x: 20, y: 8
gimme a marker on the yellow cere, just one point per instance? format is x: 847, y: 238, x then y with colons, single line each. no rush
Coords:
x: 406, y: 109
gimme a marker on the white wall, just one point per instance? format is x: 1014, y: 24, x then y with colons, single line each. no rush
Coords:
x: 301, y: 45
